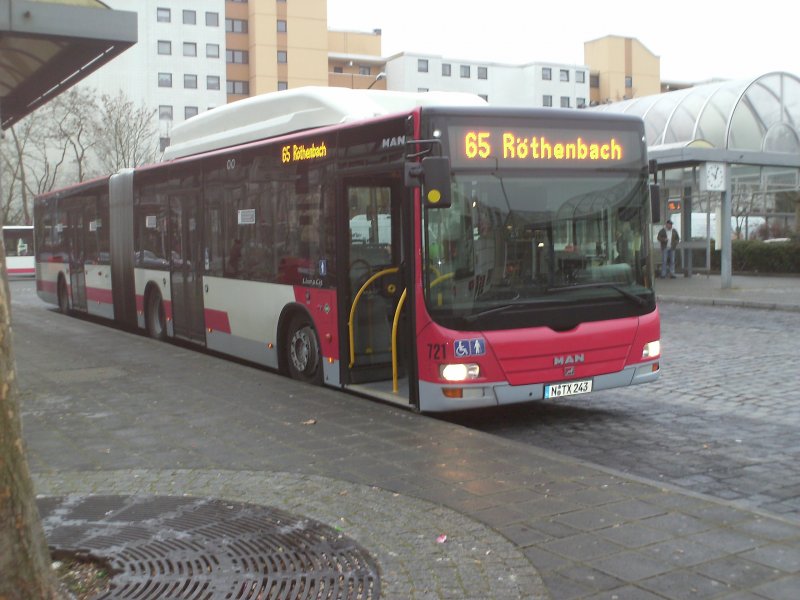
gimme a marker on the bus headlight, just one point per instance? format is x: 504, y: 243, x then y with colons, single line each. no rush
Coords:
x: 459, y: 372
x: 652, y: 349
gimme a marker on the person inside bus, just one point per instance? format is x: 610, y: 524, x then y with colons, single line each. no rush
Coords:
x: 235, y: 258
x: 669, y: 238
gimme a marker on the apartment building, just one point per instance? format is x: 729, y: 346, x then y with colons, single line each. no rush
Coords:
x: 531, y: 85
x: 178, y: 64
x: 274, y: 44
x: 354, y: 60
x: 621, y: 68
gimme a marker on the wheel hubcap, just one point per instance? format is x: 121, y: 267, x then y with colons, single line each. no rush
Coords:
x: 301, y: 351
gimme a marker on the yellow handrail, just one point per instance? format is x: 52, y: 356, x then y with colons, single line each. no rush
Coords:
x: 439, y: 280
x: 395, y: 321
x: 355, y: 303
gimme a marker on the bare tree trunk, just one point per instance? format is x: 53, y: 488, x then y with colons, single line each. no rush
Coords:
x: 25, y: 567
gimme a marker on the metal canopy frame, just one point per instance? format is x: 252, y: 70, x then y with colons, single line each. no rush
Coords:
x: 47, y: 47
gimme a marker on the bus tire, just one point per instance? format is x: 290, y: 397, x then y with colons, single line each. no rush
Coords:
x: 154, y: 316
x: 303, y: 355
x: 63, y: 298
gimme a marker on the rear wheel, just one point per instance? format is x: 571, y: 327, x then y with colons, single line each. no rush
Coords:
x: 63, y: 298
x: 303, y: 355
x: 155, y: 318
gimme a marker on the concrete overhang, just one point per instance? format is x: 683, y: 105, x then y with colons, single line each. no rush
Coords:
x: 47, y: 46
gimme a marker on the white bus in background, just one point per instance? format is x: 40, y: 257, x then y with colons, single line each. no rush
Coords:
x: 18, y: 242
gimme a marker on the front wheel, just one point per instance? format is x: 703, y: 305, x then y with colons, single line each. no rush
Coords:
x: 155, y: 318
x: 303, y: 355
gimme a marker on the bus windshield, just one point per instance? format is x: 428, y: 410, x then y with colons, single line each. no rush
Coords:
x: 516, y: 245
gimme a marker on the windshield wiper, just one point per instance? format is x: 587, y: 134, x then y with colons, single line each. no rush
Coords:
x: 600, y: 284
x: 475, y: 316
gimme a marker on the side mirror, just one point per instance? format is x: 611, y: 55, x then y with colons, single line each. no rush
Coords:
x: 434, y: 176
x: 655, y: 203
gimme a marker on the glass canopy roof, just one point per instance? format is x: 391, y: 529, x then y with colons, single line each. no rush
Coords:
x: 760, y: 115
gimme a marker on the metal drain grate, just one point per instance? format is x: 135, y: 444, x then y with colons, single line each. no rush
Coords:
x: 169, y: 548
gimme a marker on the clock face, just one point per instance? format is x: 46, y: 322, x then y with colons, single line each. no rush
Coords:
x: 715, y: 177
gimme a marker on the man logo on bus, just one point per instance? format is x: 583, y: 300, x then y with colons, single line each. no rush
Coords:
x: 569, y: 359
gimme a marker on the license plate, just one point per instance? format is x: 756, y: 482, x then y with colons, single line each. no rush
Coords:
x: 557, y: 390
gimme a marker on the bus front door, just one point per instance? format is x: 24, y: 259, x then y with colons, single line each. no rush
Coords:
x: 187, y: 264
x: 77, y: 257
x: 377, y: 343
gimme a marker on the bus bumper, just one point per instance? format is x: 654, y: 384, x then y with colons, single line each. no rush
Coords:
x: 436, y: 397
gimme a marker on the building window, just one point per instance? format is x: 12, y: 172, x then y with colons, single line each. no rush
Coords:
x: 212, y: 82
x: 580, y: 76
x: 338, y: 70
x: 564, y: 101
x: 483, y: 73
x: 547, y: 74
x: 580, y: 102
x: 241, y: 88
x: 484, y: 96
x: 422, y: 89
x: 190, y: 82
x: 165, y: 112
x: 164, y: 47
x: 446, y: 69
x: 465, y: 71
x: 165, y: 80
x: 628, y: 81
x: 237, y: 57
x: 594, y: 81
x: 212, y: 19
x: 189, y: 17
x: 362, y: 70
x: 235, y: 26
x: 189, y: 49
x: 547, y: 101
x: 283, y: 85
x: 163, y: 142
x: 281, y: 26
x: 189, y: 112
x: 563, y: 75
x: 212, y: 50
x: 283, y: 58
x: 422, y: 65
x: 163, y: 15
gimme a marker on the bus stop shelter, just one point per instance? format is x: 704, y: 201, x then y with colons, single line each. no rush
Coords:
x: 48, y: 46
x: 751, y: 129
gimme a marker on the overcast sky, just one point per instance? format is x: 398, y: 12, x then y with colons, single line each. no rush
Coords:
x: 696, y: 39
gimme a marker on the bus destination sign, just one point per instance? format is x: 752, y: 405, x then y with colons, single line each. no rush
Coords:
x: 301, y: 152
x: 532, y: 147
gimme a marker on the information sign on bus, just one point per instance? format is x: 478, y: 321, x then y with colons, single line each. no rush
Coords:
x: 514, y: 146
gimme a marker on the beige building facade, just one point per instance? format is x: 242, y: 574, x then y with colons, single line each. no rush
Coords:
x: 274, y: 45
x: 354, y: 60
x: 621, y: 68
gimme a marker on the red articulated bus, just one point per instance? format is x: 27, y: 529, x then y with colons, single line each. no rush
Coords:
x: 18, y: 242
x: 424, y: 249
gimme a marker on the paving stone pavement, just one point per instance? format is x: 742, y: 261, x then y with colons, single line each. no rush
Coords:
x: 118, y: 414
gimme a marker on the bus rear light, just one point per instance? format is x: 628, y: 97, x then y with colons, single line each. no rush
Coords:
x: 655, y: 367
x: 452, y: 392
x: 270, y: 345
x: 459, y: 372
x: 652, y: 349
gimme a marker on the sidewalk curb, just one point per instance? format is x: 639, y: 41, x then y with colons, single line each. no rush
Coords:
x: 728, y: 303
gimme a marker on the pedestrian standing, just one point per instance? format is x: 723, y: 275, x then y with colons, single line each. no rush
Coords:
x: 669, y: 239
